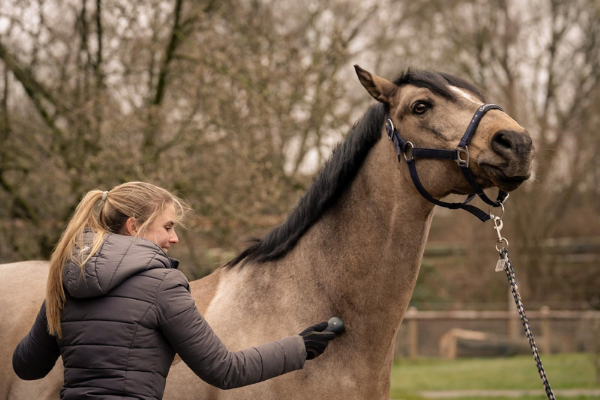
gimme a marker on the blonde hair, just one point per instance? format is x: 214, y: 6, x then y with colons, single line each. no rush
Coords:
x: 102, y: 213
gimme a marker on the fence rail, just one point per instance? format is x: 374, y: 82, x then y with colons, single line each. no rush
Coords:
x: 543, y: 318
x: 544, y: 313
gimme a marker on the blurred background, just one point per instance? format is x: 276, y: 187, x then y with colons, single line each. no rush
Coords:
x: 236, y: 105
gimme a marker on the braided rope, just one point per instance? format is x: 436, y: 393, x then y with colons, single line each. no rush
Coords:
x: 510, y: 274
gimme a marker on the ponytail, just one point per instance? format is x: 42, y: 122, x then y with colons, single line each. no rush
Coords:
x: 84, y: 217
x: 142, y: 201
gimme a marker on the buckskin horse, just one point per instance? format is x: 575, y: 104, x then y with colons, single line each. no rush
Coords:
x: 352, y: 246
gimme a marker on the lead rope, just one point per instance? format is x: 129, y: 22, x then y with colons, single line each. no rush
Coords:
x: 504, y: 264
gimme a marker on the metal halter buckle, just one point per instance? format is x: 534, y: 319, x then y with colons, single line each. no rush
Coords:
x: 406, y: 150
x: 462, y: 162
x: 389, y: 128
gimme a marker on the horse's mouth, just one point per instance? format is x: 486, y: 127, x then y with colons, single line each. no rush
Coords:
x: 503, y: 181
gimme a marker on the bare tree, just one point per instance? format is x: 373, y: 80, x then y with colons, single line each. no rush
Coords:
x: 230, y: 104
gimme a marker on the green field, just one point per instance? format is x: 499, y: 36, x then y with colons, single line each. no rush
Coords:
x: 564, y: 371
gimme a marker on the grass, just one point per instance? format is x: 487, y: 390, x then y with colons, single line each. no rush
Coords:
x: 410, y: 396
x: 564, y: 371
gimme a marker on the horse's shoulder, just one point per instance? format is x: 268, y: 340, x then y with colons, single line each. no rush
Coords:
x: 204, y: 290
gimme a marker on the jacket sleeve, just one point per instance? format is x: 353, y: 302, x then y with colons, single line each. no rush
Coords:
x: 37, y: 353
x: 201, y: 349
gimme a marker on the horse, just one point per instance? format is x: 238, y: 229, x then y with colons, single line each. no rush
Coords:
x: 352, y: 248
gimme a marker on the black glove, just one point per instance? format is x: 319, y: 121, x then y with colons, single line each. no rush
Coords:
x: 315, y: 340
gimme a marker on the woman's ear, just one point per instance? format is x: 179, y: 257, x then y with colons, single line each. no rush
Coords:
x: 130, y: 227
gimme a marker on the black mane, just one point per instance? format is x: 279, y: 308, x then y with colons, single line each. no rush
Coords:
x: 326, y: 188
x: 340, y: 170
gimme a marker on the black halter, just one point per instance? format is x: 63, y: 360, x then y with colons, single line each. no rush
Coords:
x: 460, y: 155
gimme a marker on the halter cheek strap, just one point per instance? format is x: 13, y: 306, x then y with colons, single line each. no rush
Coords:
x: 409, y: 152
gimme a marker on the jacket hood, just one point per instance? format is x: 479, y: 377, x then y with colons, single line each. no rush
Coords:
x: 118, y: 258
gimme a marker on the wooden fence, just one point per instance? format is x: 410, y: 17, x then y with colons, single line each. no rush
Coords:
x: 543, y: 319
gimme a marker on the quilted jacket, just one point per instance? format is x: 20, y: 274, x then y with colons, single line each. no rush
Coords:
x: 124, y: 320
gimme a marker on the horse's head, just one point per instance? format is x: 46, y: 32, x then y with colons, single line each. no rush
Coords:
x: 433, y: 110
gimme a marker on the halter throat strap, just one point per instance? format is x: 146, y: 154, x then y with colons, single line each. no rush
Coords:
x: 460, y: 154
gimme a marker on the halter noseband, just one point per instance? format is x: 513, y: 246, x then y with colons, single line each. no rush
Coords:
x: 460, y: 154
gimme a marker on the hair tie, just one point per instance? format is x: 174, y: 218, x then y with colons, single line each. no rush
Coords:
x: 104, y: 195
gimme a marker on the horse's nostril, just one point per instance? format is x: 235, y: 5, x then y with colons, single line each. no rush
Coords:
x: 501, y: 140
x: 509, y: 143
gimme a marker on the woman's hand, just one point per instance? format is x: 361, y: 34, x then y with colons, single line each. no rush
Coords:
x: 315, y: 340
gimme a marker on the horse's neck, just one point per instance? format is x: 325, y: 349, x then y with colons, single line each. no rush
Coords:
x: 360, y: 261
x: 363, y: 255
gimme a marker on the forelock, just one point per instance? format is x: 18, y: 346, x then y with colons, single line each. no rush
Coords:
x: 438, y: 82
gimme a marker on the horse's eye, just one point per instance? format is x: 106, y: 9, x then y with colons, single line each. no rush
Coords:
x: 420, y: 107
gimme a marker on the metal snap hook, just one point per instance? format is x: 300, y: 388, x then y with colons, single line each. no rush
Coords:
x: 498, y: 225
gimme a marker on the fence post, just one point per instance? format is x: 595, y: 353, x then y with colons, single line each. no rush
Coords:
x: 545, y: 330
x: 513, y: 316
x: 413, y: 334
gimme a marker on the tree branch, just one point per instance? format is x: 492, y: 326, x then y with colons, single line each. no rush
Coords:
x: 4, y: 120
x: 163, y: 74
x: 27, y: 210
x: 27, y: 79
x: 171, y: 47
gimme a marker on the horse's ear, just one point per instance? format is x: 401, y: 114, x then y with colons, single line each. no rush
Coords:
x: 381, y: 89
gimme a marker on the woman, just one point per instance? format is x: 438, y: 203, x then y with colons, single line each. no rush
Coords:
x: 117, y: 309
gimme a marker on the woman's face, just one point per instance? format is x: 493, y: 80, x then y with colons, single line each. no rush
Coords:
x: 162, y: 230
